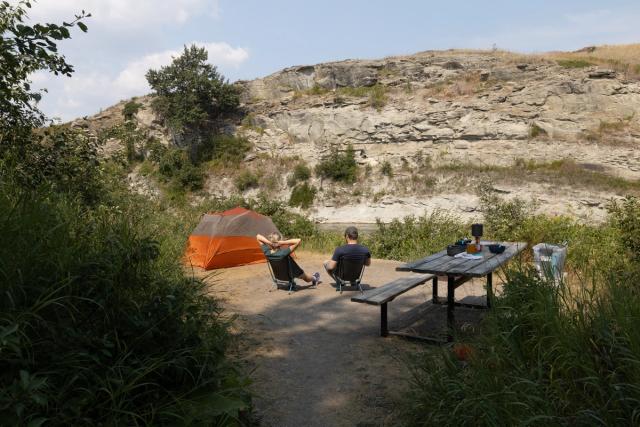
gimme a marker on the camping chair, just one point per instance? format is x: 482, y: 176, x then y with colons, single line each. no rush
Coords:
x: 349, y: 270
x: 281, y: 273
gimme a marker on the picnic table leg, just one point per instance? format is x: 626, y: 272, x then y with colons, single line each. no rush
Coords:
x: 434, y: 298
x: 489, y: 289
x: 451, y: 289
x: 384, y: 330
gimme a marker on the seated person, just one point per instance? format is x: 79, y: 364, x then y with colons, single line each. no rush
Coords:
x: 352, y: 249
x: 276, y: 248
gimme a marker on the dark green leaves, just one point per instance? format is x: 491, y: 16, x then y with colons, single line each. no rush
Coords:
x: 190, y: 93
x: 24, y: 50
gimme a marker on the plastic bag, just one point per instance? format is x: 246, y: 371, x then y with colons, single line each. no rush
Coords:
x: 549, y: 260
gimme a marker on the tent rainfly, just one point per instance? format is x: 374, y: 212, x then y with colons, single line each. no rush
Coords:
x: 228, y: 239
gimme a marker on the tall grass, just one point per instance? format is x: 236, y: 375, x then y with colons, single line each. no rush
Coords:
x: 547, y: 354
x: 98, y: 323
x: 544, y: 356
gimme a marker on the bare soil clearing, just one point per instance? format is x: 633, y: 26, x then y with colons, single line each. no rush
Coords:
x: 318, y: 358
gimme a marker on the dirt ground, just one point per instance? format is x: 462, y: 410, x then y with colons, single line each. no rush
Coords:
x: 316, y: 357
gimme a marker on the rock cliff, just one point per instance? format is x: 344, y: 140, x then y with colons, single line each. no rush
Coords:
x: 565, y: 136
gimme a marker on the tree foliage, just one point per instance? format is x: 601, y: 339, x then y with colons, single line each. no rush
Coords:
x: 191, y: 93
x: 339, y: 166
x: 98, y: 323
x: 24, y: 50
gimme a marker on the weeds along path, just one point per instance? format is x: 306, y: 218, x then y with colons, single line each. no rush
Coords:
x: 317, y: 357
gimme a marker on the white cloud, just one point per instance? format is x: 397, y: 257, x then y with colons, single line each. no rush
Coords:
x: 125, y: 14
x: 86, y: 90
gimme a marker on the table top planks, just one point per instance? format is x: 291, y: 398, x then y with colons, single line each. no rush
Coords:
x: 442, y: 264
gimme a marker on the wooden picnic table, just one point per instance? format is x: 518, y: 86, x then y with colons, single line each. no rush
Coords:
x: 461, y: 270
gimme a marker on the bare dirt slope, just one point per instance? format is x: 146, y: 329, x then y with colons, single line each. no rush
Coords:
x: 318, y: 358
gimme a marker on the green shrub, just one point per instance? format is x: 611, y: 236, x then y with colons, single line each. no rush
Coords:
x: 540, y: 358
x: 154, y: 150
x: 339, y: 166
x: 246, y: 180
x: 133, y: 139
x: 386, y: 169
x: 227, y: 150
x: 302, y: 195
x: 130, y: 109
x: 574, y: 63
x: 376, y: 94
x: 624, y: 215
x: 64, y: 159
x: 176, y: 168
x: 503, y: 218
x: 536, y: 131
x: 249, y: 122
x: 413, y: 238
x: 172, y: 162
x: 377, y: 97
x: 301, y: 173
x: 99, y: 324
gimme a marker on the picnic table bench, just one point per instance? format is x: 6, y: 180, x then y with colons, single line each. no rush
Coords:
x: 388, y: 292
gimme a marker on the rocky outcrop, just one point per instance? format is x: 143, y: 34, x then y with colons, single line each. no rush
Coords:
x: 457, y: 107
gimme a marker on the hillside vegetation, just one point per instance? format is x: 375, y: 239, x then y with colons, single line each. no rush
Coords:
x: 426, y: 131
x: 101, y: 324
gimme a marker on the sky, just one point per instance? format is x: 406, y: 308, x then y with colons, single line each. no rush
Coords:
x: 247, y: 39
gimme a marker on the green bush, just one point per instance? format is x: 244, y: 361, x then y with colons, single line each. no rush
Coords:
x: 540, y: 358
x: 386, y: 169
x: 130, y: 109
x: 98, y: 323
x: 536, y: 131
x: 227, y: 150
x: 624, y: 216
x: 413, y: 237
x: 154, y: 150
x: 246, y: 180
x: 565, y: 354
x: 574, y: 63
x: 339, y: 166
x: 302, y: 195
x: 377, y: 94
x: 176, y: 168
x: 133, y: 139
x: 64, y: 159
x: 301, y: 173
x: 503, y: 218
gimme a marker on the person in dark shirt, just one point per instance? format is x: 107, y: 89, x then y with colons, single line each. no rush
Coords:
x: 352, y: 249
x: 276, y: 248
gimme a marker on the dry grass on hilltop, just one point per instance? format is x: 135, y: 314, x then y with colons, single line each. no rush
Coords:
x: 625, y: 59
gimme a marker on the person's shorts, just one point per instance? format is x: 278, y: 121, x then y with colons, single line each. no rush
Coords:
x: 296, y: 270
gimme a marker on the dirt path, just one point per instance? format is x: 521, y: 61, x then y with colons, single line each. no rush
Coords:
x: 317, y: 356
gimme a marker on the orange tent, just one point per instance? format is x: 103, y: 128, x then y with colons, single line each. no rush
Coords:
x: 227, y: 239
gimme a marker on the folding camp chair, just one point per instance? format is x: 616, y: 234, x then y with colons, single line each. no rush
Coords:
x: 281, y: 273
x: 349, y: 270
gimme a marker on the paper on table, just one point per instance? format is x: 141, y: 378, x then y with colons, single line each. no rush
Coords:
x: 468, y: 256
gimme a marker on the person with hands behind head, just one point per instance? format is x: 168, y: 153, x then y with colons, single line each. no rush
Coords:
x: 275, y: 248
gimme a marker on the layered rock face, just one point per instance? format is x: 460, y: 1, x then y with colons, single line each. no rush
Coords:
x: 447, y: 100
x: 480, y: 108
x: 456, y: 108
